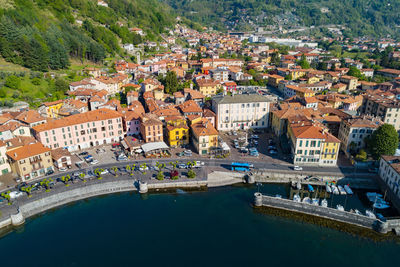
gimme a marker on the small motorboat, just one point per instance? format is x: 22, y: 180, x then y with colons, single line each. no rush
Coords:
x: 348, y: 189
x: 339, y: 207
x: 370, y: 214
x: 328, y: 189
x: 380, y: 206
x: 356, y: 211
x: 324, y: 203
x: 298, y: 186
x: 278, y: 196
x: 306, y: 200
x: 341, y: 190
x: 380, y: 217
x: 372, y: 196
x: 310, y: 188
x: 335, y: 190
x: 315, y: 201
x: 296, y: 198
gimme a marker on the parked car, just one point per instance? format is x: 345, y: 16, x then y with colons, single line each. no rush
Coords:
x: 188, y: 153
x: 234, y: 133
x: 50, y: 172
x: 94, y: 162
x: 141, y: 168
x: 254, y: 136
x: 100, y: 150
x: 83, y: 153
x: 16, y: 194
x: 105, y: 171
x: 181, y: 154
x: 272, y: 152
x: 122, y: 157
x: 272, y: 147
x: 63, y: 169
x: 88, y: 158
x: 79, y: 164
x: 198, y: 164
x: 297, y: 168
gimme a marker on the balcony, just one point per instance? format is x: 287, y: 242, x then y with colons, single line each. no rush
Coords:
x: 34, y: 160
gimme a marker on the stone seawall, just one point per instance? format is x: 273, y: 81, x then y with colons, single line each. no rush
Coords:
x: 323, y: 212
x: 49, y: 202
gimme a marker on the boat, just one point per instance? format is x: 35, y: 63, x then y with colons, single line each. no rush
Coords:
x: 315, y: 201
x: 310, y: 188
x: 372, y: 196
x: 296, y: 198
x: 348, y: 189
x: 380, y: 206
x: 370, y: 214
x: 278, y: 196
x: 356, y: 211
x: 294, y: 184
x: 328, y: 189
x: 298, y: 185
x: 335, y: 190
x: 341, y: 190
x: 306, y: 200
x: 339, y: 207
x: 324, y: 203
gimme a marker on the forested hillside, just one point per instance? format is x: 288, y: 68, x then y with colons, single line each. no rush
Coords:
x: 362, y: 17
x: 45, y: 34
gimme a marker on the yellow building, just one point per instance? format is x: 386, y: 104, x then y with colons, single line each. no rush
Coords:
x: 204, y: 136
x: 312, y: 144
x: 31, y: 161
x: 330, y: 150
x: 208, y: 87
x: 51, y: 109
x: 274, y: 80
x: 313, y: 79
x: 177, y: 132
x: 297, y: 73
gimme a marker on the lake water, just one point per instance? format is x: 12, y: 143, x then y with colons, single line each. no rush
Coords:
x: 214, y: 228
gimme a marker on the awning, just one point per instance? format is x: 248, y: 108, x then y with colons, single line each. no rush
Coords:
x: 124, y: 144
x: 154, y: 146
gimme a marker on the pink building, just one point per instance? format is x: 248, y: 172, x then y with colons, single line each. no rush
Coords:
x: 92, y: 128
x: 132, y: 123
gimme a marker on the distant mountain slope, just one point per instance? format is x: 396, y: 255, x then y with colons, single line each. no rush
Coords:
x: 44, y: 34
x: 362, y: 17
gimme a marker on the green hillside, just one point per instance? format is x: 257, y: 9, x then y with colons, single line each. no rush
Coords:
x: 362, y: 17
x: 46, y: 34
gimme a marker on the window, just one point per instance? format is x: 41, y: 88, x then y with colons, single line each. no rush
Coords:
x: 46, y: 134
x: 313, y: 143
x: 307, y: 143
x: 301, y: 143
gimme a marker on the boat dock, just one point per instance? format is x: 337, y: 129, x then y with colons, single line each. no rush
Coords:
x: 363, y: 221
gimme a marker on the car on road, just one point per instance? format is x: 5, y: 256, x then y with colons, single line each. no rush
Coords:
x: 104, y: 171
x: 16, y: 194
x: 143, y: 168
x: 63, y: 169
x: 297, y: 168
x: 198, y: 164
x: 182, y: 166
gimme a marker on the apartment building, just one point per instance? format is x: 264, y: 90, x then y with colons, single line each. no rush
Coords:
x: 92, y: 128
x: 204, y: 136
x: 312, y: 144
x: 353, y: 131
x: 31, y: 161
x: 4, y: 166
x: 351, y: 82
x: 241, y: 111
x: 383, y: 105
x: 151, y: 128
x: 389, y: 171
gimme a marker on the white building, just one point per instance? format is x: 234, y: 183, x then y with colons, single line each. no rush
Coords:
x: 241, y: 111
x: 389, y: 168
x: 4, y: 165
x: 352, y: 132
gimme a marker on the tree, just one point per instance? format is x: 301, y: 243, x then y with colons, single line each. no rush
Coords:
x: 191, y: 174
x: 362, y: 155
x: 171, y: 82
x: 66, y: 179
x: 303, y: 62
x: 384, y: 141
x: 82, y: 176
x: 6, y: 195
x: 27, y: 189
x: 160, y: 176
x: 353, y: 71
x: 46, y: 183
x: 115, y: 169
x: 12, y: 82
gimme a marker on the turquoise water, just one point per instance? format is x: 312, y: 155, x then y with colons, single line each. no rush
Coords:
x: 214, y: 228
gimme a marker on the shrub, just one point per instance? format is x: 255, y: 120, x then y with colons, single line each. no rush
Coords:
x: 191, y: 174
x: 36, y: 81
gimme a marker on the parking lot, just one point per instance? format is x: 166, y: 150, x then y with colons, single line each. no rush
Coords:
x: 255, y: 145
